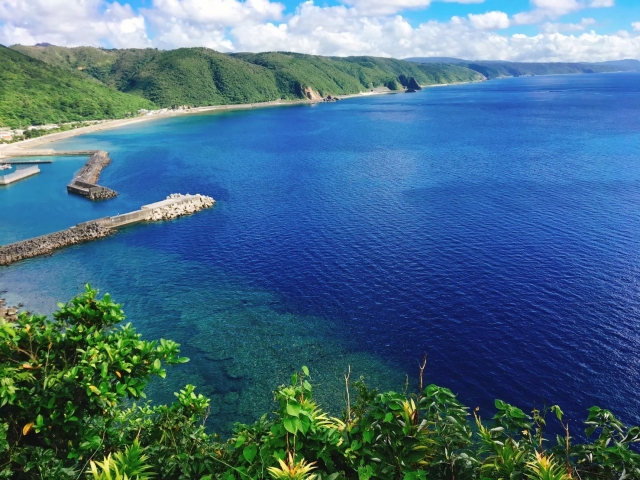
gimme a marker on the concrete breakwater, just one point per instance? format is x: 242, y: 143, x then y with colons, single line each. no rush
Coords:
x: 48, y: 243
x: 84, y: 183
x: 175, y: 205
x: 47, y: 153
x: 18, y: 175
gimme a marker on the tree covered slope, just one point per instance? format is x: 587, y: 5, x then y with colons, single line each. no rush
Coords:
x: 200, y: 76
x: 335, y: 75
x: 498, y: 69
x: 33, y: 93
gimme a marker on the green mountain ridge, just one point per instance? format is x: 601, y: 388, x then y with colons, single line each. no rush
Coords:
x: 51, y: 84
x: 201, y: 77
x: 35, y: 93
x: 500, y: 69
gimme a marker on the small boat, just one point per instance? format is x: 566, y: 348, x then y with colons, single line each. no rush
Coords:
x: 5, y: 166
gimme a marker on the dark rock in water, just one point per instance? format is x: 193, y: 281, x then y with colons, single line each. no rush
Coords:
x: 413, y: 86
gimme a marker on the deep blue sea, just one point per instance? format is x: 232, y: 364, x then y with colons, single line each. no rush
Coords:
x: 494, y: 226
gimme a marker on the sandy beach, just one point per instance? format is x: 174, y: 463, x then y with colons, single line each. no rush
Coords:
x: 7, y: 150
x: 24, y: 146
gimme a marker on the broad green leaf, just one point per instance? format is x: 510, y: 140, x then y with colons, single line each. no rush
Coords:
x: 293, y: 409
x: 249, y: 452
x: 291, y: 425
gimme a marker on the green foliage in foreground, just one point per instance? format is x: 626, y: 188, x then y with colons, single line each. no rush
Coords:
x: 72, y: 406
x: 35, y: 93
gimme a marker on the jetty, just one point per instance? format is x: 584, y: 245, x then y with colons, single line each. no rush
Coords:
x: 25, y: 162
x: 174, y: 206
x: 49, y: 153
x: 84, y: 183
x: 18, y: 175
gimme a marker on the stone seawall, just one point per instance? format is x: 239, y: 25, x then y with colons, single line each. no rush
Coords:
x: 84, y: 183
x: 175, y: 205
x: 48, y: 243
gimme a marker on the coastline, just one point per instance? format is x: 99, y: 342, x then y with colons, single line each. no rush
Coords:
x: 7, y: 150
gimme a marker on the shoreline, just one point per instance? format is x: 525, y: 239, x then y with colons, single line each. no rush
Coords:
x: 108, y: 124
x: 7, y: 150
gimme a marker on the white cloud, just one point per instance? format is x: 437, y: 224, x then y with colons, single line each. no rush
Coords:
x: 261, y: 25
x: 343, y: 31
x: 205, y: 22
x: 554, y: 9
x: 568, y: 27
x: 636, y: 26
x: 75, y: 22
x: 389, y: 7
x: 489, y: 21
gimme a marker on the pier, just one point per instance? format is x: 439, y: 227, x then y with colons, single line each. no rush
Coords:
x: 174, y: 206
x: 49, y: 153
x: 18, y: 175
x: 25, y: 162
x: 84, y: 183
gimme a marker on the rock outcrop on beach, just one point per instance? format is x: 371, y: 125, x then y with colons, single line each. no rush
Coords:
x: 48, y: 243
x: 84, y: 183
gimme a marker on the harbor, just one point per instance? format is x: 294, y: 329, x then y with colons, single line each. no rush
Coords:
x: 82, y: 184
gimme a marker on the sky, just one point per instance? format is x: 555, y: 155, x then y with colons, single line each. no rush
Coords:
x: 516, y: 30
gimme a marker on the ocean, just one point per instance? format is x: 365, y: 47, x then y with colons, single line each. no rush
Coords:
x: 493, y: 226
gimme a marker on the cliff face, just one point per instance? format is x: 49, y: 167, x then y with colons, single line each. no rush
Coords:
x: 311, y: 94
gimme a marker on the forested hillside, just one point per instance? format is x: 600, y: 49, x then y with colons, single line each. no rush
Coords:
x: 200, y: 76
x: 33, y: 93
x: 335, y: 76
x: 498, y: 69
x: 44, y: 84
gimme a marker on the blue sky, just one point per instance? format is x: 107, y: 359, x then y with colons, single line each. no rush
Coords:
x: 609, y: 19
x: 520, y: 30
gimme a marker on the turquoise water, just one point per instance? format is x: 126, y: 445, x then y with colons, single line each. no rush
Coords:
x: 495, y: 226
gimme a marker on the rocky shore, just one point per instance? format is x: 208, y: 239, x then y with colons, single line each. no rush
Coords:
x: 7, y: 312
x: 84, y: 183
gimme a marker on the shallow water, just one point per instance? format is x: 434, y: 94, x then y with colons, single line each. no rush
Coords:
x: 495, y: 226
